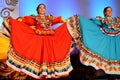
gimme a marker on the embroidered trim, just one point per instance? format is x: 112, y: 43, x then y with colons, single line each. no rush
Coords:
x: 110, y: 33
x: 45, y: 32
x: 110, y: 22
x: 73, y: 28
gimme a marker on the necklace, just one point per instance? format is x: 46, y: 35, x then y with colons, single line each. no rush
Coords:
x: 44, y: 22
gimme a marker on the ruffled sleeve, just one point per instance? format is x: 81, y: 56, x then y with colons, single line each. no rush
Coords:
x: 29, y: 20
x: 96, y: 21
x: 58, y: 19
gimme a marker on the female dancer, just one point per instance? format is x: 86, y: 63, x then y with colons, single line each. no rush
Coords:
x: 37, y: 49
x: 98, y: 40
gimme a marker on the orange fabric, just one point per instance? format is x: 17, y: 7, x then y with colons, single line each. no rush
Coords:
x: 57, y: 20
x: 27, y: 44
x: 28, y: 20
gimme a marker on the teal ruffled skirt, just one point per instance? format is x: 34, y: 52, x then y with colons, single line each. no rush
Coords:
x: 99, y: 46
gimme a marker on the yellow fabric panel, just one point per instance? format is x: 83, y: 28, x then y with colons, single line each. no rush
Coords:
x: 4, y: 45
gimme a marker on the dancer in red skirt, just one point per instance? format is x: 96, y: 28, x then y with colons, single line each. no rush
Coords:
x: 37, y: 49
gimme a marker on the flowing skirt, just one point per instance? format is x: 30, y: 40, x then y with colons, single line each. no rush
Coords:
x: 37, y: 55
x: 97, y: 49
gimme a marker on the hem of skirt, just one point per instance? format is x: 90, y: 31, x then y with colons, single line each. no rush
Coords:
x: 44, y: 74
x: 94, y: 64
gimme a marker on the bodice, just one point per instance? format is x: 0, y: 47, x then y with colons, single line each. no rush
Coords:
x: 109, y: 25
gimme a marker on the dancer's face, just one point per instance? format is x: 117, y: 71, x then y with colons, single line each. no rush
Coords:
x: 108, y: 12
x: 42, y: 10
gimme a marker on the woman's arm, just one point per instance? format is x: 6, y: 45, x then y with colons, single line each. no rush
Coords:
x: 98, y: 20
x: 29, y: 20
x: 58, y: 19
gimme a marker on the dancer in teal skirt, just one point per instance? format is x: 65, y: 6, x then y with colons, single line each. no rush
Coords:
x: 98, y: 40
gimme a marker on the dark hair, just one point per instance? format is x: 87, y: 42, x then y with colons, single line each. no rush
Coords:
x: 106, y: 9
x: 38, y: 7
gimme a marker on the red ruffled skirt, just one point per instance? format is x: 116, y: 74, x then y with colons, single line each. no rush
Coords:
x: 38, y: 55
